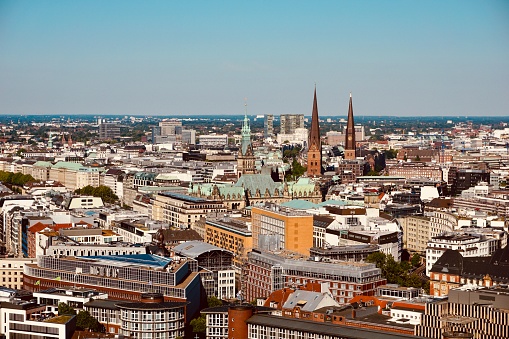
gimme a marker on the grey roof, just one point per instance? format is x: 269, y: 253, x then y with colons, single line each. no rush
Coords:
x: 308, y: 300
x: 335, y: 331
x: 168, y: 305
x: 263, y: 182
x: 108, y: 304
x: 194, y: 249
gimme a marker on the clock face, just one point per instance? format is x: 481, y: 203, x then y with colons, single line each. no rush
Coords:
x: 349, y: 137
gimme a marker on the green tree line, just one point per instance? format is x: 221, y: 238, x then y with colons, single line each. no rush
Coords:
x: 18, y: 179
x: 103, y: 192
x: 398, y: 272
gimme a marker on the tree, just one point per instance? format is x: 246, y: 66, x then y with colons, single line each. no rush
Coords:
x: 199, y: 324
x: 104, y: 192
x: 214, y: 301
x: 85, y: 321
x: 64, y: 309
x: 416, y: 260
x: 413, y: 280
x: 391, y: 153
x: 396, y: 272
x: 377, y: 258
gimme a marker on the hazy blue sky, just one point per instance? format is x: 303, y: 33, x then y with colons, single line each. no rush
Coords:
x: 204, y: 57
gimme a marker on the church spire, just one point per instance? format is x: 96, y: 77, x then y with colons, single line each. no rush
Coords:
x: 315, y: 128
x: 245, y: 158
x: 315, y: 146
x: 246, y: 132
x: 350, y: 144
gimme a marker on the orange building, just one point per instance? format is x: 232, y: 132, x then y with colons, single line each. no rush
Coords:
x: 282, y: 228
x: 232, y: 234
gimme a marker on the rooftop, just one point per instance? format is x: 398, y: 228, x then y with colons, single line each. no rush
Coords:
x: 149, y: 260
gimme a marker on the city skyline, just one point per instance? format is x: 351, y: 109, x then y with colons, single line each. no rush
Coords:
x: 397, y: 58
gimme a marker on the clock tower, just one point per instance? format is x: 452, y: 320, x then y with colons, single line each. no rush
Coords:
x: 350, y: 145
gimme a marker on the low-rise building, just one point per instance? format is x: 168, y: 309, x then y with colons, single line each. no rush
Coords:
x: 453, y: 270
x: 24, y: 319
x: 11, y: 271
x: 467, y: 313
x: 470, y: 242
x: 265, y: 272
x: 123, y: 277
x: 183, y: 211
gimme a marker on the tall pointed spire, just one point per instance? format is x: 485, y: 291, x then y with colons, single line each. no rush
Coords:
x: 315, y: 128
x: 245, y: 158
x: 246, y: 132
x: 350, y: 144
x: 315, y: 146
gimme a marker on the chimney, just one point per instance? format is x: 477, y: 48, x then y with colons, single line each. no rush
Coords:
x: 354, y: 313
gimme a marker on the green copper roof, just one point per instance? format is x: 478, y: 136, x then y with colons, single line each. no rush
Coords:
x: 341, y: 203
x: 263, y: 182
x: 68, y: 165
x: 299, y: 204
x: 43, y: 164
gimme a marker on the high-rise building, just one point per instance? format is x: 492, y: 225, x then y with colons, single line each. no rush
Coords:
x: 315, y: 145
x: 290, y: 122
x: 268, y: 125
x: 350, y: 144
x: 189, y: 136
x: 171, y: 127
x: 109, y: 131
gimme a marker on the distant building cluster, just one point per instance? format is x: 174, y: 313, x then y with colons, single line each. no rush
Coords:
x: 221, y: 228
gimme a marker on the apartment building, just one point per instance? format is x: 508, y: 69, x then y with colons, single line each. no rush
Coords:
x: 470, y: 242
x: 11, y: 272
x: 453, y: 270
x: 25, y: 319
x: 416, y: 232
x: 181, y: 210
x: 232, y: 234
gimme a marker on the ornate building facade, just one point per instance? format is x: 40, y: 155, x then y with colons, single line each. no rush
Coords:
x: 245, y: 158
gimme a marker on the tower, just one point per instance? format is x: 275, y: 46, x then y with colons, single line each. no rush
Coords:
x: 268, y: 125
x: 245, y: 158
x: 350, y: 144
x: 315, y: 146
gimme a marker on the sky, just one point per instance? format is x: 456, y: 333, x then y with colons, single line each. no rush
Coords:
x: 397, y: 58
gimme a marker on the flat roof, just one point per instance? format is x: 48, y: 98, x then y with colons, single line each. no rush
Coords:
x: 323, y: 328
x: 184, y: 197
x: 150, y: 260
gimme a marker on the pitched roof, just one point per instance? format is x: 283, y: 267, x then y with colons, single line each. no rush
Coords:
x: 307, y: 300
x: 496, y: 265
x: 38, y: 227
x: 263, y: 182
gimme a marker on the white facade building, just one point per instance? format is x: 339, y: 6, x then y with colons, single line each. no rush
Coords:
x: 470, y: 242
